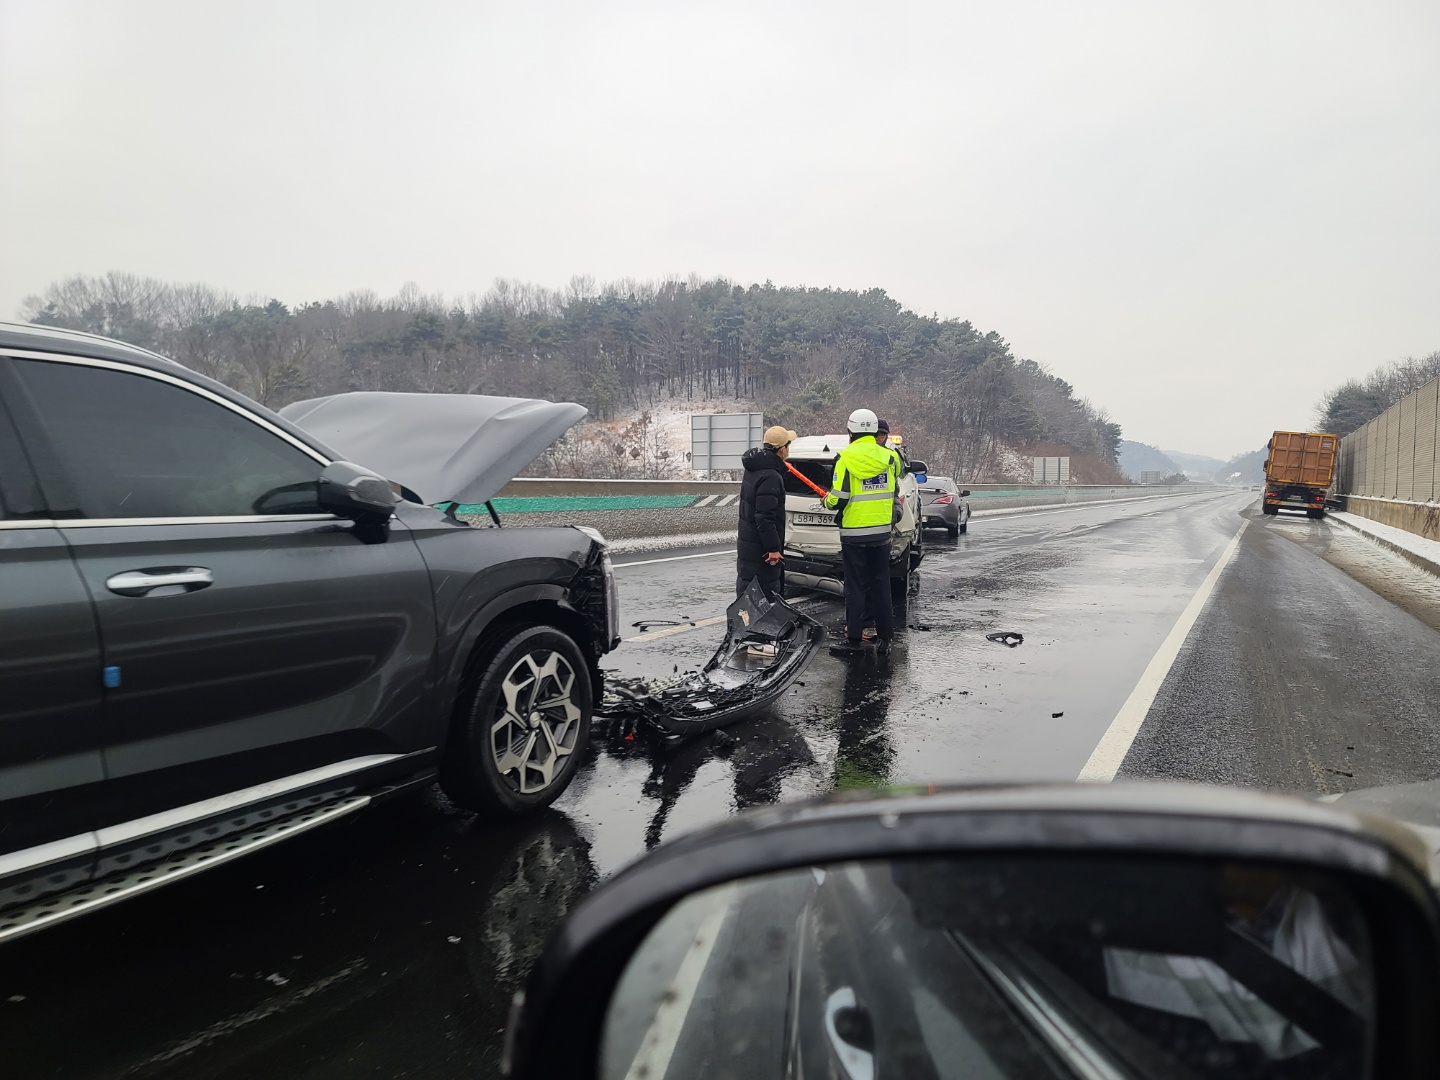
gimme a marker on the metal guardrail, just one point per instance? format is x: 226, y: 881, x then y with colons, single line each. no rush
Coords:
x: 631, y: 509
x: 648, y: 502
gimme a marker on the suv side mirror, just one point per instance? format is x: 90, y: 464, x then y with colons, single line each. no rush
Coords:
x: 349, y: 491
x: 1147, y: 928
x: 918, y: 468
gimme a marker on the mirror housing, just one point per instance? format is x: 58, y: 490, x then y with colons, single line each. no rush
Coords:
x: 349, y: 491
x: 558, y: 1020
x: 918, y: 468
x: 965, y: 493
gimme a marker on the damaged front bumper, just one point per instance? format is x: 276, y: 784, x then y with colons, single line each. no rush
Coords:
x: 768, y: 644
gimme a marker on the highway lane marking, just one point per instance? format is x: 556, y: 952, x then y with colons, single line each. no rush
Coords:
x: 652, y: 1060
x: 266, y: 1009
x: 1045, y: 509
x: 1038, y: 511
x: 676, y: 558
x: 670, y: 631
x: 1109, y: 755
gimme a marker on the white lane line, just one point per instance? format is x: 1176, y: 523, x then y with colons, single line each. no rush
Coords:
x: 1070, y: 508
x: 675, y: 558
x: 652, y: 1060
x: 670, y: 631
x: 1109, y: 755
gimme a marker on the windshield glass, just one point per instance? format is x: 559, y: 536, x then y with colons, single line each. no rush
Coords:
x: 820, y: 473
x: 975, y: 968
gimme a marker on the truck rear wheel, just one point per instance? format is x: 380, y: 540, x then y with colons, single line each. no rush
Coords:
x: 522, y: 724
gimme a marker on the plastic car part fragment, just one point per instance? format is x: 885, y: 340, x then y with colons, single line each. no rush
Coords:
x: 1008, y: 637
x: 767, y: 646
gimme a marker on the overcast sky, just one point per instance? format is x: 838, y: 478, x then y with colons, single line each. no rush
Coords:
x: 1201, y: 214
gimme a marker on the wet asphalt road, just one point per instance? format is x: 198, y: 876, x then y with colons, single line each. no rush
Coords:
x: 389, y: 945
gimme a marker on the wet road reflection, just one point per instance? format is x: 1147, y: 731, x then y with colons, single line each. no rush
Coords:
x: 390, y: 946
x: 864, y: 755
x: 760, y: 753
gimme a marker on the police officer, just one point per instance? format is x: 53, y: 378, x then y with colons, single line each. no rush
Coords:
x: 864, y: 490
x: 882, y: 436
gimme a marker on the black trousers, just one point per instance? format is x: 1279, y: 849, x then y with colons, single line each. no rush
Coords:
x: 771, y: 578
x: 867, y: 589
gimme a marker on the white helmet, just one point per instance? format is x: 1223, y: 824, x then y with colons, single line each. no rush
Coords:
x: 863, y: 422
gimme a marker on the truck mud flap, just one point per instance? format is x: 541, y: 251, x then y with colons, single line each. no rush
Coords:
x: 768, y: 644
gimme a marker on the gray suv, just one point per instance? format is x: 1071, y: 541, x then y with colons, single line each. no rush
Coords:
x: 216, y: 633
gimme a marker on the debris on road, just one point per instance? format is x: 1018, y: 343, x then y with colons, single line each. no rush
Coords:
x: 1009, y: 638
x: 767, y: 646
x: 1056, y: 715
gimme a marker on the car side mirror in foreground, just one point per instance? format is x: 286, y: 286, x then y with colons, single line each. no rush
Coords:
x: 1119, y: 931
x: 918, y: 468
x: 349, y: 491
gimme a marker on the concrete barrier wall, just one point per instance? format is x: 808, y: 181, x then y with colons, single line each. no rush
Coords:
x: 1389, y: 469
x: 1420, y: 518
x: 635, y: 509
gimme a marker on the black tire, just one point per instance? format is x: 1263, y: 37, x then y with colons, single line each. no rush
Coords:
x: 899, y: 591
x: 900, y: 576
x: 1271, y: 510
x: 471, y: 772
x: 964, y: 528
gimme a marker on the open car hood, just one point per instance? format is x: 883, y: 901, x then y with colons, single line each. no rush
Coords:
x: 443, y: 447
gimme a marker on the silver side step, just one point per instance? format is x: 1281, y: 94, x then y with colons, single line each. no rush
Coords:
x: 57, y: 908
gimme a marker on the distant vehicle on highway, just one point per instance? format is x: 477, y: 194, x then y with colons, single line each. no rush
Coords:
x: 217, y: 633
x: 812, y: 538
x: 944, y: 505
x: 1299, y: 470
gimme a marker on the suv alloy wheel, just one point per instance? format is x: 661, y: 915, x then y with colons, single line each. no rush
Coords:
x: 522, y: 724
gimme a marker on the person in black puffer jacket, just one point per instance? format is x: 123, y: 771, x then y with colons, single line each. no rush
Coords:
x: 762, y: 515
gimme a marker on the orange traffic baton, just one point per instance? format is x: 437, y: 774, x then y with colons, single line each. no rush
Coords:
x: 807, y: 481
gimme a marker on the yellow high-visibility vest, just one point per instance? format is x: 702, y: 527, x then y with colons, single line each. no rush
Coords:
x: 864, y: 485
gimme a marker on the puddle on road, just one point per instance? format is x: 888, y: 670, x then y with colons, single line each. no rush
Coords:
x: 948, y: 705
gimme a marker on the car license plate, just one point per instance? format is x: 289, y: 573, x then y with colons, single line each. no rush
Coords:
x: 814, y: 519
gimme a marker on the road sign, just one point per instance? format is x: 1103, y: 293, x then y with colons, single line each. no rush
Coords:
x: 1052, y: 470
x: 717, y: 440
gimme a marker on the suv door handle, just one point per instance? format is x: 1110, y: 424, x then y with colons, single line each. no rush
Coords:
x: 142, y: 582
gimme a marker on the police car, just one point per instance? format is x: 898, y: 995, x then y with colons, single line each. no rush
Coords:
x: 812, y: 537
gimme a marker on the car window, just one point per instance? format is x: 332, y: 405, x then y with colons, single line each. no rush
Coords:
x: 137, y: 447
x: 19, y: 494
x: 817, y: 472
x: 994, y: 968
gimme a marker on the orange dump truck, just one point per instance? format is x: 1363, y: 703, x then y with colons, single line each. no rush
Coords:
x: 1298, y: 472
